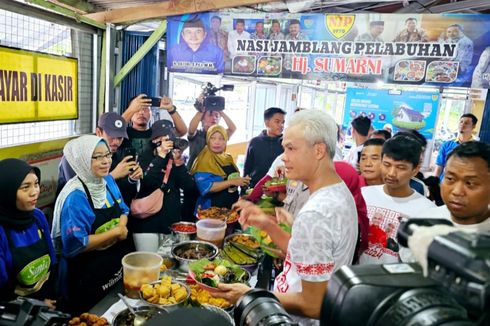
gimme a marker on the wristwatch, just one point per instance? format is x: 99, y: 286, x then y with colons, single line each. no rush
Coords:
x: 173, y: 110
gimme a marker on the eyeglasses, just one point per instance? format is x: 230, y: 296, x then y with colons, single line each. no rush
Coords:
x: 100, y: 158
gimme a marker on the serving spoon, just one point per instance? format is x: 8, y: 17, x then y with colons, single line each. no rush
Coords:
x: 138, y: 319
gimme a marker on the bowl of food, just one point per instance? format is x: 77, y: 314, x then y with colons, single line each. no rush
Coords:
x: 189, y: 251
x: 243, y: 250
x: 139, y: 268
x: 126, y: 318
x: 200, y: 296
x: 209, y: 273
x: 220, y: 213
x: 165, y: 294
x: 184, y: 231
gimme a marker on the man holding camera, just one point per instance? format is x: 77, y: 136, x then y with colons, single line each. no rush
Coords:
x: 209, y: 112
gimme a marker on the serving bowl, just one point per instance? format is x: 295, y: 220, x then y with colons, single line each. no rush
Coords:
x: 184, y: 231
x: 189, y: 251
x: 125, y: 318
x: 247, y: 247
x: 167, y: 306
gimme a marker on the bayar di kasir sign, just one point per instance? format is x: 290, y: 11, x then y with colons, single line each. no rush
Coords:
x: 37, y: 87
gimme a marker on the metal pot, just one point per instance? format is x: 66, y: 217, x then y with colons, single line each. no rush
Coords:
x: 181, y: 236
x: 125, y: 318
x: 201, y: 249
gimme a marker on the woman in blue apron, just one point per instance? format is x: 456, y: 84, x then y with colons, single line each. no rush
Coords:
x: 89, y: 226
x: 27, y: 255
x: 217, y: 177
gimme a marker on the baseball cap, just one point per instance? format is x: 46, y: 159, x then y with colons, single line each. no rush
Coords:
x: 162, y: 128
x: 113, y: 124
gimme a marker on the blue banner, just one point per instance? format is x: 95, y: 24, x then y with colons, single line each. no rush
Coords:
x: 444, y: 49
x: 403, y: 110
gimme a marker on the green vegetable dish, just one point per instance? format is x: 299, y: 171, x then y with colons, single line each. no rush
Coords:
x: 211, y: 272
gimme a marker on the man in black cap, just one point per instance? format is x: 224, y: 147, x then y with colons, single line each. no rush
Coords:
x: 112, y: 127
x: 193, y: 53
x: 376, y: 28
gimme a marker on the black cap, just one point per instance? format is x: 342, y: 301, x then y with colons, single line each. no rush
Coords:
x: 113, y: 124
x: 162, y: 128
x: 214, y: 103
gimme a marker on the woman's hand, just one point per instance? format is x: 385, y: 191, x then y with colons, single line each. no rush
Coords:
x: 165, y: 146
x: 240, y: 182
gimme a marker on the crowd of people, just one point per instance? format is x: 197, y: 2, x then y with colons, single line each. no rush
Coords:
x: 342, y: 210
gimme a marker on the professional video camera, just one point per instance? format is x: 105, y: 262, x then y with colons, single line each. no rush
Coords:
x: 30, y: 312
x: 210, y: 101
x: 457, y: 291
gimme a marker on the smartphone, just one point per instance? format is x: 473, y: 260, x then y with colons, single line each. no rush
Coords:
x: 130, y: 151
x: 155, y: 101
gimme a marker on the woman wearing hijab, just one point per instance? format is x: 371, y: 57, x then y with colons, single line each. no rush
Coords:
x: 216, y: 174
x: 26, y: 251
x: 89, y: 226
x: 162, y: 162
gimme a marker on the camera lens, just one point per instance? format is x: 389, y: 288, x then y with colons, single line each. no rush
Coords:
x: 420, y: 306
x: 260, y: 308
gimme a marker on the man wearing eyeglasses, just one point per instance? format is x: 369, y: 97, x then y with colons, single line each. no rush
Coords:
x: 112, y: 127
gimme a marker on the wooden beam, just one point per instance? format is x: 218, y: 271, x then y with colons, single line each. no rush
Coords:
x: 66, y: 12
x: 167, y: 8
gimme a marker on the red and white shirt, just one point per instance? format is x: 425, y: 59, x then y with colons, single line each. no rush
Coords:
x: 323, y: 238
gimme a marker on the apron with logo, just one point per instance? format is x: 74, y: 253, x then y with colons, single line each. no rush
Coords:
x: 30, y: 265
x: 92, y: 274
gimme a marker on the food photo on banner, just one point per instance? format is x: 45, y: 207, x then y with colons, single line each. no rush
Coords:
x: 403, y: 110
x: 433, y: 49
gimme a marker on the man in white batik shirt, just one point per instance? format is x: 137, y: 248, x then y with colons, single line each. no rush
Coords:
x: 324, y: 233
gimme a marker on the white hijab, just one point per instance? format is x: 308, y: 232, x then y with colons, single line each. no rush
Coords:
x: 78, y: 153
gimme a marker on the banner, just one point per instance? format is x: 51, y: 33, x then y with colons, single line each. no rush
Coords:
x: 446, y: 49
x: 403, y: 110
x: 37, y: 87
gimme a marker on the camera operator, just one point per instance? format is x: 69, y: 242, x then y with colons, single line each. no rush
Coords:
x: 207, y: 118
x: 324, y: 232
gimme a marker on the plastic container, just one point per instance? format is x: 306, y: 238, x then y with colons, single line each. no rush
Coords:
x: 139, y: 268
x: 211, y: 230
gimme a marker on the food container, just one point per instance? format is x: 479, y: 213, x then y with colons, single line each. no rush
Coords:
x: 252, y: 252
x: 139, y: 268
x: 125, y: 318
x: 184, y: 231
x: 168, y: 307
x: 220, y: 311
x: 211, y: 230
x: 189, y: 251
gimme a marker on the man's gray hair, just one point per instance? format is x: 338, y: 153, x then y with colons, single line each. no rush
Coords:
x: 318, y: 127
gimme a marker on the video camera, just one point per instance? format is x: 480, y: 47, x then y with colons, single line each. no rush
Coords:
x: 457, y: 291
x: 211, y: 102
x: 30, y: 312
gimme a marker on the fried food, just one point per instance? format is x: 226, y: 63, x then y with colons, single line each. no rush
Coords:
x: 164, y: 293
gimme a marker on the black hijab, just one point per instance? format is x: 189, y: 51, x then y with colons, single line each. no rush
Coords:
x: 12, y: 173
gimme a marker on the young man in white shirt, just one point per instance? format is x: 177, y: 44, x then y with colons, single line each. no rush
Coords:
x: 387, y: 203
x: 324, y: 232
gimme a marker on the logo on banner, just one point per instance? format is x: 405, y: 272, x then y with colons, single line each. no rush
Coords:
x: 339, y: 25
x: 435, y: 97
